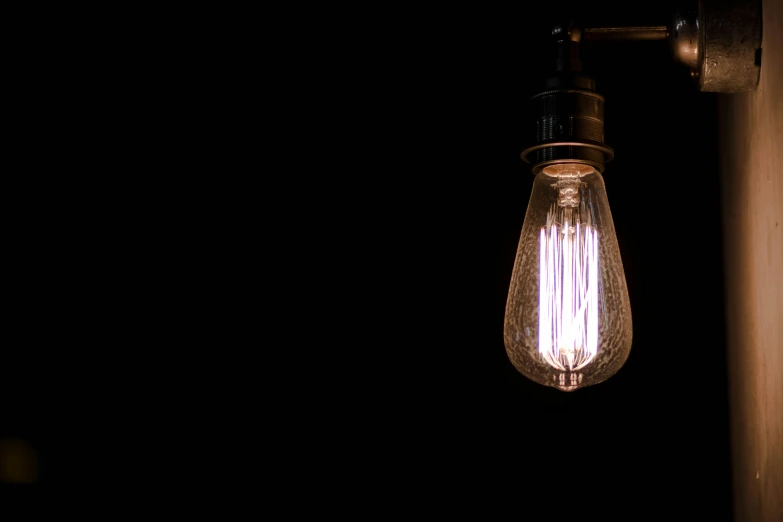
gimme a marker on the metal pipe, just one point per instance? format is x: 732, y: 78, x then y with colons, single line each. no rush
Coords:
x: 657, y: 32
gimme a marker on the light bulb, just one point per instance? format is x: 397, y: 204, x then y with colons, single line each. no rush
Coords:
x: 568, y: 315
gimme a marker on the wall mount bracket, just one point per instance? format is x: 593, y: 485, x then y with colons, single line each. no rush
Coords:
x: 720, y: 40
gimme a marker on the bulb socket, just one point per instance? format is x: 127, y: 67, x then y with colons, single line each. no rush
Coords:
x: 569, y: 116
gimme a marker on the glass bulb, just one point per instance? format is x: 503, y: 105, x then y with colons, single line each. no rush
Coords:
x: 568, y: 316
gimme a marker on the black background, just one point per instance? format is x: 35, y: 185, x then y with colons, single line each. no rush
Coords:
x: 416, y: 239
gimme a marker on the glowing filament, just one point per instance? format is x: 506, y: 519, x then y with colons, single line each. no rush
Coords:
x: 568, y: 292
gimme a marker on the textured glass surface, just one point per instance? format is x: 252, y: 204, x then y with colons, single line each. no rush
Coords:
x: 568, y: 316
